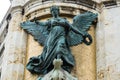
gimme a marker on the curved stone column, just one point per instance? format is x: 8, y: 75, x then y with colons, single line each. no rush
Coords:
x: 15, y: 48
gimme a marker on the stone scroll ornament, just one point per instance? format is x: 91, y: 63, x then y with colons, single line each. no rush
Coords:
x: 57, y: 35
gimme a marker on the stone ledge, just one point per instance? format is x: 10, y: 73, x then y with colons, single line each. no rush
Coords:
x: 65, y: 8
x: 88, y: 3
x: 109, y: 3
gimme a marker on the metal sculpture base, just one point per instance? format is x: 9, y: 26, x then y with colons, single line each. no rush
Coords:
x: 57, y: 73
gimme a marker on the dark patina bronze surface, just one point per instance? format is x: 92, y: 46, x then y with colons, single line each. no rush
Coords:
x: 57, y: 35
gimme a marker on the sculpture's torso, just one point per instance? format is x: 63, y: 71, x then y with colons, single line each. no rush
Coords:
x: 55, y: 23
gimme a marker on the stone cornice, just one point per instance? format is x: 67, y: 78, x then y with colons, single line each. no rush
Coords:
x: 65, y: 9
x: 32, y: 6
x: 109, y: 3
x: 16, y: 6
x: 17, y: 9
x: 90, y: 4
x: 100, y: 1
x: 15, y: 3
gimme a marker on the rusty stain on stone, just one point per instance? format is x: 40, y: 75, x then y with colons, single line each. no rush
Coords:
x: 101, y: 74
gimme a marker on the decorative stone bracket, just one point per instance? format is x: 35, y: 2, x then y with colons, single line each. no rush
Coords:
x: 57, y: 73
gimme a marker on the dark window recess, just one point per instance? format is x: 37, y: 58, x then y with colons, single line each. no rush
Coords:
x: 2, y: 50
x: 6, y: 31
x: 46, y: 0
x: 23, y: 11
x: 110, y: 3
x: 7, y: 28
x: 0, y: 74
x: 1, y: 58
x: 8, y: 17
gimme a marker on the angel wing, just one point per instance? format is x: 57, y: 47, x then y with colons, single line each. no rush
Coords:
x: 39, y: 30
x: 82, y: 22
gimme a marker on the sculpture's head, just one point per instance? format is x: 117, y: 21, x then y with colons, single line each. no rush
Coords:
x: 54, y: 11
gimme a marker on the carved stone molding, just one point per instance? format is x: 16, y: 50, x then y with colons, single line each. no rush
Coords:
x: 69, y: 9
x: 33, y: 7
x: 109, y: 3
x: 15, y: 3
x: 17, y: 9
x: 87, y: 3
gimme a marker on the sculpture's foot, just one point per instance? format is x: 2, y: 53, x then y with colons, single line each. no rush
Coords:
x: 57, y: 73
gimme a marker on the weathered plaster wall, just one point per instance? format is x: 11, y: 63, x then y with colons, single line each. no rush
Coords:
x: 108, y: 49
x: 85, y: 57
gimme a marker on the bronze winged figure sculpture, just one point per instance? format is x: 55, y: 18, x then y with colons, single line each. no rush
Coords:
x: 57, y: 35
